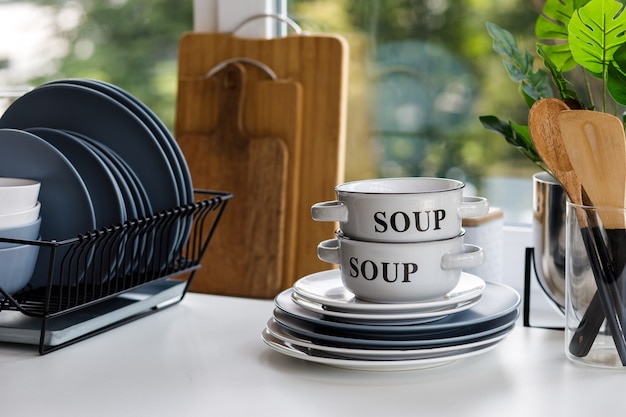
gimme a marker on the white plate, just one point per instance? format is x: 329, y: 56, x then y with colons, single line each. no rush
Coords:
x: 382, y: 354
x: 327, y: 289
x: 315, y: 311
x: 313, y: 355
x: 497, y: 300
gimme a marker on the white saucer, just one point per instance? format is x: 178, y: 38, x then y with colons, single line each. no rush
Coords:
x: 384, y: 354
x: 327, y: 289
x: 381, y: 318
x: 317, y: 356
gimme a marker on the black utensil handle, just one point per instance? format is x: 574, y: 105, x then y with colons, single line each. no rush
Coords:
x: 607, y: 297
x: 587, y: 329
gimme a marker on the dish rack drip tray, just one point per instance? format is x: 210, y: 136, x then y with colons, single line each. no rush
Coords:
x: 104, y: 278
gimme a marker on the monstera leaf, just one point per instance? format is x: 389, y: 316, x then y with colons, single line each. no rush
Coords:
x: 552, y: 25
x: 596, y: 31
x: 554, y: 18
x: 616, y: 82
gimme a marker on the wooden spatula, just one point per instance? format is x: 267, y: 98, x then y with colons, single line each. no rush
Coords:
x: 596, y: 147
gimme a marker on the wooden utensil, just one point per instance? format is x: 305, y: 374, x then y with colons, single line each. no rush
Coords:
x: 596, y: 146
x: 319, y: 64
x: 248, y: 246
x: 545, y: 132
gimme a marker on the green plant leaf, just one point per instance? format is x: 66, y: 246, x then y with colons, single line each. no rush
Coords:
x: 554, y: 18
x: 519, y: 64
x: 564, y: 86
x: 522, y: 132
x: 616, y: 82
x: 595, y: 32
x: 503, y: 128
x: 516, y: 135
x: 537, y: 86
x: 552, y: 25
x: 504, y: 43
x: 560, y: 55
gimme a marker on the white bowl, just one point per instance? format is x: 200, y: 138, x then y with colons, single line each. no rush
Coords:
x: 384, y: 272
x: 17, y: 264
x: 20, y: 218
x: 28, y: 231
x: 18, y: 194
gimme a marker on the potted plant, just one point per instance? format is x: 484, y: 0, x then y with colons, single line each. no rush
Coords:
x: 582, y: 46
x: 583, y: 40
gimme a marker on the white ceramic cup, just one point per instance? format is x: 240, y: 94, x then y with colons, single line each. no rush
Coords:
x: 400, y: 272
x: 411, y: 209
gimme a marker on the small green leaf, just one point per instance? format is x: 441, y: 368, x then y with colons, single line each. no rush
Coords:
x: 537, y: 85
x: 523, y: 133
x: 560, y: 55
x: 504, y: 43
x: 516, y: 135
x: 595, y: 32
x: 527, y: 99
x: 564, y: 86
x: 519, y: 64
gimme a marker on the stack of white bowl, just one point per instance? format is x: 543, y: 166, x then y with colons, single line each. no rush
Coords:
x: 19, y: 220
x: 401, y: 239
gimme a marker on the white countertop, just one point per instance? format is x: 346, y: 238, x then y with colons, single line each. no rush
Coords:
x: 205, y: 357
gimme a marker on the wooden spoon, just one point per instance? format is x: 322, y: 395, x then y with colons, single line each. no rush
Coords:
x: 596, y: 147
x: 547, y: 138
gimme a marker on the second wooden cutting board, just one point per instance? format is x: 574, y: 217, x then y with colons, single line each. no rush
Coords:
x: 246, y: 252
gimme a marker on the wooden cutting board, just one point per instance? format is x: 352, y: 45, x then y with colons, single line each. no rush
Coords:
x: 319, y: 65
x: 246, y: 252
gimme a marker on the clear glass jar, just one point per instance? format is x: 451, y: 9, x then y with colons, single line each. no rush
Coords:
x: 596, y: 286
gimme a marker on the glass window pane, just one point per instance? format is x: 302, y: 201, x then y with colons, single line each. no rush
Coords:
x: 421, y: 74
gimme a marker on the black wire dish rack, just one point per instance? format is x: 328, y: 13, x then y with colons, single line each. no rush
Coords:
x: 105, y: 278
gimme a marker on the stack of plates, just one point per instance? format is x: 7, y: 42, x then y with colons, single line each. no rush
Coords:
x: 101, y: 156
x: 318, y: 320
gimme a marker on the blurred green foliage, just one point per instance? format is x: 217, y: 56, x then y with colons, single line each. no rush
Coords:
x: 433, y: 126
x: 129, y: 43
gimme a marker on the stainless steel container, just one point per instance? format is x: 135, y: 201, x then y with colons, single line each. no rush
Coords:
x: 549, y: 207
